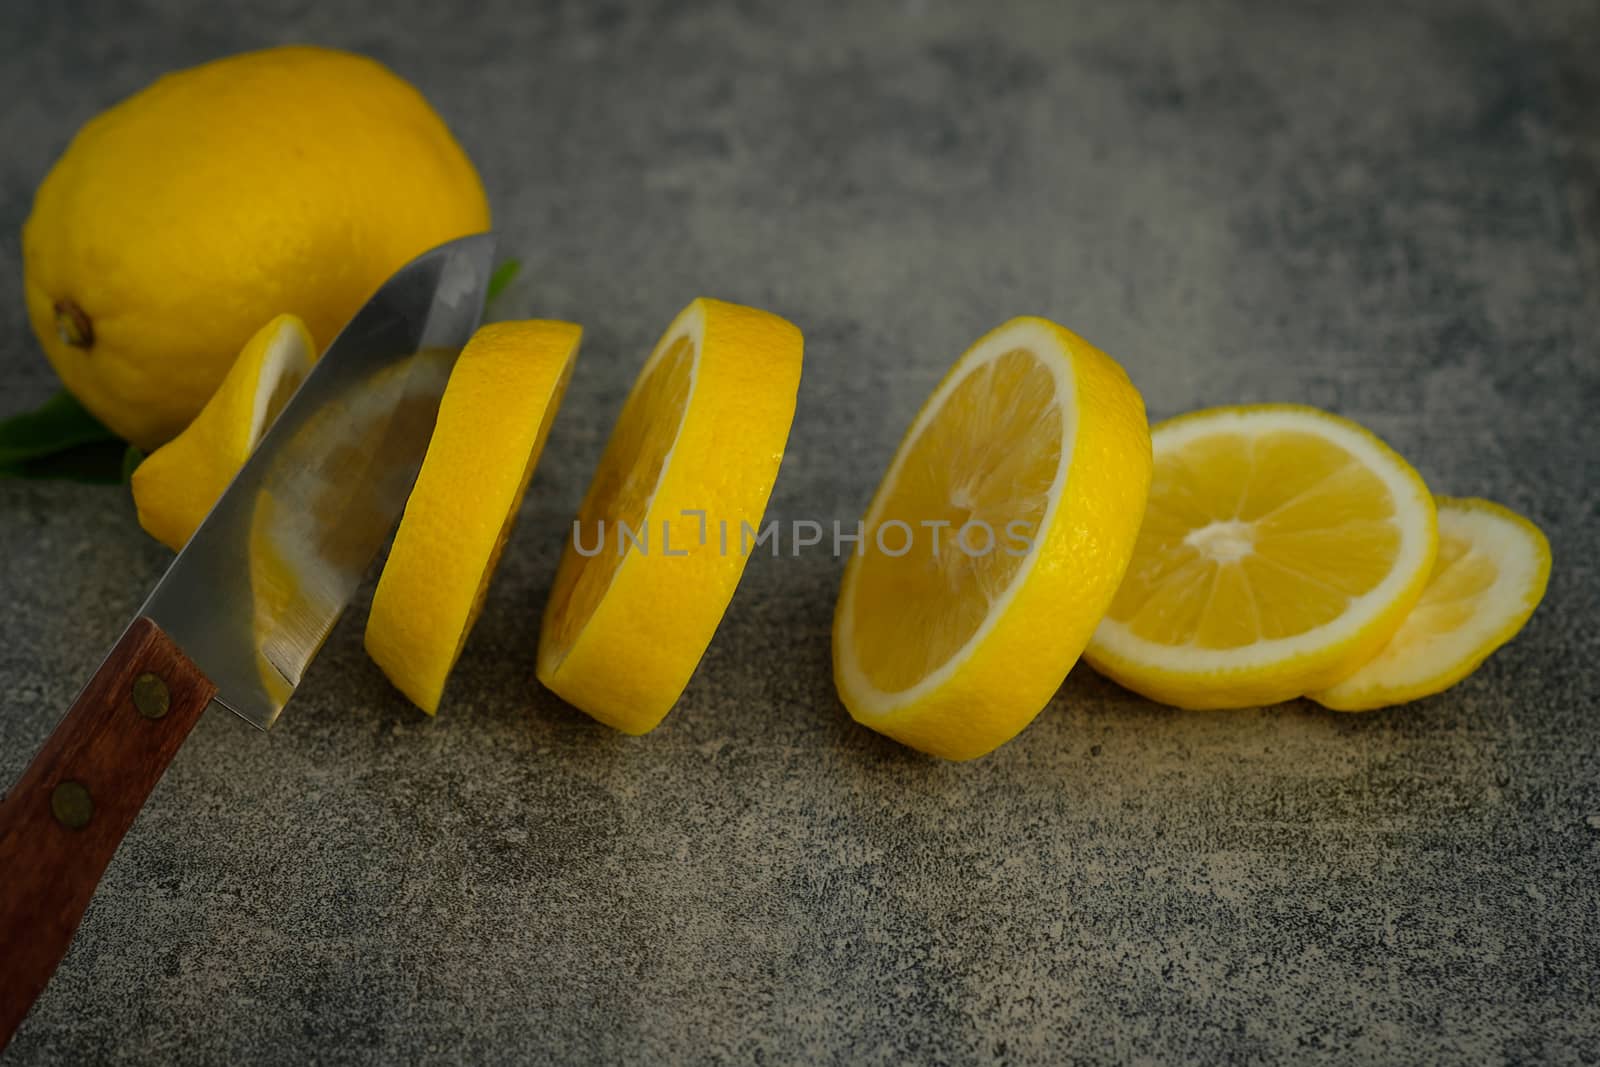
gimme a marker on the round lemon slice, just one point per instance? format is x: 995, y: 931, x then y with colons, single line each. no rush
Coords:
x: 177, y: 484
x: 994, y: 542
x: 1282, y: 547
x: 1490, y: 574
x: 494, y: 417
x: 660, y: 541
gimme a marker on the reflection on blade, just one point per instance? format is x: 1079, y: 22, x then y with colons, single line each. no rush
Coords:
x: 258, y: 588
x: 327, y: 499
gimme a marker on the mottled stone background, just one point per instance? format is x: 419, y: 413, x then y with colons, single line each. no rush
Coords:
x: 1386, y: 208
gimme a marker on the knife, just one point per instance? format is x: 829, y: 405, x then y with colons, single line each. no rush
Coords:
x: 242, y: 611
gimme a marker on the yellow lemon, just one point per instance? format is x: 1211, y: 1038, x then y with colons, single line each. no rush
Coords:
x: 493, y: 420
x: 659, y: 543
x: 180, y: 220
x: 179, y: 482
x: 1282, y: 547
x: 1490, y: 574
x: 994, y: 543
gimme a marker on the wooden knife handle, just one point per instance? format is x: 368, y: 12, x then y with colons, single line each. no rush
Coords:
x: 62, y: 821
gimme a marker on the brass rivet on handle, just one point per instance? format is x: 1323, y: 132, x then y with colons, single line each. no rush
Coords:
x: 150, y: 696
x: 71, y: 805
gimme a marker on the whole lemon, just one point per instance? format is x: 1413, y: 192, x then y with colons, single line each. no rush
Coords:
x: 293, y: 180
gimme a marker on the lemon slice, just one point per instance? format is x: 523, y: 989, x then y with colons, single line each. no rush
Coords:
x: 1282, y: 547
x: 177, y: 484
x: 324, y: 500
x: 994, y: 543
x: 493, y: 420
x: 657, y: 549
x: 1490, y: 574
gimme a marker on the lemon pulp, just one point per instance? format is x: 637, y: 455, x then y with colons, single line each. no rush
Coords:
x: 1281, y: 547
x: 960, y: 487
x: 994, y: 542
x: 1256, y: 538
x: 613, y: 514
x: 1490, y: 573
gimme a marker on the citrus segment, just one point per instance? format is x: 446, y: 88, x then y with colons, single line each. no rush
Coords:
x: 1281, y: 548
x: 994, y: 542
x: 1490, y: 573
x: 494, y: 417
x: 656, y: 551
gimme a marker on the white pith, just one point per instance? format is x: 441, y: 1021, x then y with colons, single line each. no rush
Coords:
x: 1116, y: 641
x: 1044, y: 346
x: 1226, y: 541
x: 286, y: 355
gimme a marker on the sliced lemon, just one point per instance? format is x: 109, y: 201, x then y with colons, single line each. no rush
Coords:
x: 1282, y: 547
x: 994, y: 543
x: 658, y: 547
x: 177, y: 484
x: 493, y: 421
x: 327, y: 499
x: 1490, y: 574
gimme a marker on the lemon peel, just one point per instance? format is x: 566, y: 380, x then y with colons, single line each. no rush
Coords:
x: 697, y: 445
x: 177, y: 484
x: 494, y: 419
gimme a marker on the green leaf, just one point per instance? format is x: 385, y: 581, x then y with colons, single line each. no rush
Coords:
x: 57, y: 425
x: 130, y: 461
x: 502, y: 277
x: 95, y: 463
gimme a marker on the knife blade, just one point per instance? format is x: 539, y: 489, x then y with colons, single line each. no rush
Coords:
x: 320, y: 494
x: 243, y: 610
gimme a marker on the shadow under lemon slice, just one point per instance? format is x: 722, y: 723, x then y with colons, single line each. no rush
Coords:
x: 994, y: 542
x: 697, y: 447
x: 493, y: 421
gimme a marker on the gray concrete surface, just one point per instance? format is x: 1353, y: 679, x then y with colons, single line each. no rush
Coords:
x: 1387, y: 208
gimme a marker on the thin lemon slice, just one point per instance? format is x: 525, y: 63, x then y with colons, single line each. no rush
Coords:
x: 1282, y: 547
x: 1490, y: 574
x: 493, y: 420
x: 994, y: 543
x: 657, y: 548
x: 176, y: 486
